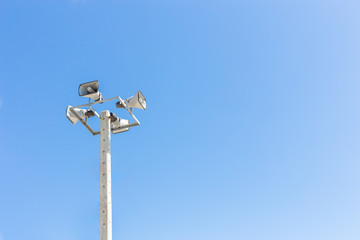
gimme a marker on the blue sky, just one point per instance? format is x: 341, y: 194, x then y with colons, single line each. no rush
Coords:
x: 251, y: 132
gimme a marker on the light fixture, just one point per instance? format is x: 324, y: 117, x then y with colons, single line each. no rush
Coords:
x: 90, y: 90
x: 117, y: 123
x: 136, y: 101
x: 83, y: 113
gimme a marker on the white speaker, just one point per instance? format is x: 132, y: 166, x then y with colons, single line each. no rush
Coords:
x: 72, y: 117
x: 136, y: 101
x: 90, y: 90
x: 117, y: 123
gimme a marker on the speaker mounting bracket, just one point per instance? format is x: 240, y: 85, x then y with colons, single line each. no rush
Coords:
x: 91, y: 130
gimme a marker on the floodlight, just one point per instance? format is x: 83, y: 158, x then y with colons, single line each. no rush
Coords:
x: 117, y: 123
x: 90, y: 90
x: 83, y: 113
x: 136, y: 101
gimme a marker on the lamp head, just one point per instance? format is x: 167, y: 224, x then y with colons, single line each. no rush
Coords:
x: 90, y: 90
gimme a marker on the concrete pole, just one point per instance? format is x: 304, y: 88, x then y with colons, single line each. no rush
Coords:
x: 105, y: 219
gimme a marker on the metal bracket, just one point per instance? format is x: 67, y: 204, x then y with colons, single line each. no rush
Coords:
x: 136, y: 123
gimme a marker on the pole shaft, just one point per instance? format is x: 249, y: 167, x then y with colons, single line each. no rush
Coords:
x: 105, y: 219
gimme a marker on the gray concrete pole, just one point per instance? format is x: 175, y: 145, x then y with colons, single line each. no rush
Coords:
x: 105, y: 219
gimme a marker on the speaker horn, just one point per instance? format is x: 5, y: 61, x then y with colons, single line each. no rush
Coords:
x: 117, y: 123
x: 136, y: 101
x: 90, y: 90
x: 83, y: 113
x: 72, y: 117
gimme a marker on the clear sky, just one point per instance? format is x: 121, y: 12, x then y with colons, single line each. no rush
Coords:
x: 251, y: 132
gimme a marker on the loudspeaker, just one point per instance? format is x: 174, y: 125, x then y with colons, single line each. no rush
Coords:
x: 72, y: 117
x: 119, y: 123
x: 136, y: 101
x: 90, y: 90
